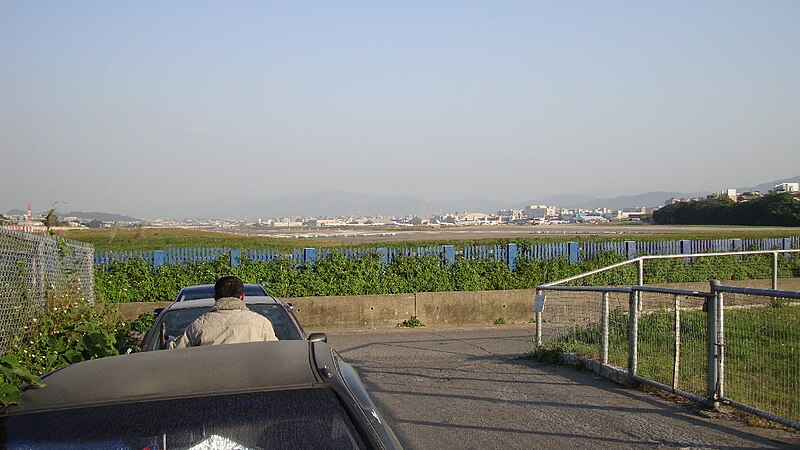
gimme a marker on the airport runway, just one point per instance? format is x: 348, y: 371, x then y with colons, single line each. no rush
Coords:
x: 358, y: 235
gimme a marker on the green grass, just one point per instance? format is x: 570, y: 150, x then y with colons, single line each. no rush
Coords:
x: 762, y: 353
x: 162, y: 238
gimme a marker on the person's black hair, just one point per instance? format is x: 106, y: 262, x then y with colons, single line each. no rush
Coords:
x: 228, y: 287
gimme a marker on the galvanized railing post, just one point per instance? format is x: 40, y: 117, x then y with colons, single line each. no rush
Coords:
x: 604, y: 330
x: 711, y: 345
x: 775, y: 271
x: 720, y: 345
x: 633, y: 334
x: 676, y: 367
x: 639, y: 305
x: 641, y: 271
x: 538, y: 314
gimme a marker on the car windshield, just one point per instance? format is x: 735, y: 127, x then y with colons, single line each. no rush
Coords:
x: 304, y: 418
x: 196, y: 292
x: 177, y: 320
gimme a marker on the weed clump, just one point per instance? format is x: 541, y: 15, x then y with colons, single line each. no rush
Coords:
x: 413, y: 322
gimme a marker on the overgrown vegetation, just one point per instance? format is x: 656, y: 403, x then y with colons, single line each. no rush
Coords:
x: 413, y: 322
x: 67, y: 330
x: 136, y: 281
x: 771, y: 210
x: 133, y: 239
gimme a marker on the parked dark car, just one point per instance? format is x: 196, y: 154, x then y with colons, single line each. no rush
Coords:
x: 207, y: 291
x: 280, y: 394
x: 172, y: 320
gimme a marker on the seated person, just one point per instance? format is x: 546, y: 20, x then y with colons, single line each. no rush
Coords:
x: 228, y: 322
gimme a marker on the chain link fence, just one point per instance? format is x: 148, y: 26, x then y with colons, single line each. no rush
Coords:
x: 574, y: 321
x: 760, y: 357
x: 35, y: 268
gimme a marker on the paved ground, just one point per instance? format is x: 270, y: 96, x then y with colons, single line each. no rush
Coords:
x: 453, y: 388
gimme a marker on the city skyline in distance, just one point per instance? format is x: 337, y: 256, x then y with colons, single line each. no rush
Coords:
x: 337, y: 203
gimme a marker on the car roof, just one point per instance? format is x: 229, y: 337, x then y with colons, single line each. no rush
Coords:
x: 207, y: 302
x: 202, y: 287
x: 176, y: 373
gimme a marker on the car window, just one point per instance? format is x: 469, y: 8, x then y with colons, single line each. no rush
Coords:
x: 194, y: 293
x: 177, y: 320
x: 284, y: 327
x: 304, y: 418
x: 251, y: 290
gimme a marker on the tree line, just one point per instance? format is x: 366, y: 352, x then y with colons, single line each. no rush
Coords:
x: 775, y: 209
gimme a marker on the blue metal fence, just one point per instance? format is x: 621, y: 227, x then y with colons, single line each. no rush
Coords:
x: 508, y: 253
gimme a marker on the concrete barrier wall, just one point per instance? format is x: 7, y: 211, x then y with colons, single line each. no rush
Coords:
x: 480, y: 307
x: 444, y: 308
x: 353, y: 311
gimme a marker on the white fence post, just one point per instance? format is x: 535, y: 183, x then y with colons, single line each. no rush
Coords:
x: 633, y: 334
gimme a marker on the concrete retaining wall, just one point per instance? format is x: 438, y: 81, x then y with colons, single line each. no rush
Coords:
x: 353, y: 311
x: 445, y: 308
x: 432, y: 308
x: 480, y: 307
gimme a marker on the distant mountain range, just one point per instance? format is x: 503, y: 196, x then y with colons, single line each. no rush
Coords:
x: 647, y: 200
x: 337, y: 203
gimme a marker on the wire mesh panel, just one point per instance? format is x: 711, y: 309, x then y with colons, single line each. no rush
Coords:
x: 618, y: 329
x: 35, y: 268
x: 672, y: 345
x: 572, y: 320
x: 762, y: 353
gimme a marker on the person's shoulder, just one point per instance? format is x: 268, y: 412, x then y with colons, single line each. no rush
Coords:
x: 203, y: 319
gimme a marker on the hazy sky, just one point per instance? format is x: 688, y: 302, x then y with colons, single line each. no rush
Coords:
x: 147, y: 108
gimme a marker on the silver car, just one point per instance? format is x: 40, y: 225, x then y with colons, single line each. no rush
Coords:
x: 173, y: 320
x: 207, y: 291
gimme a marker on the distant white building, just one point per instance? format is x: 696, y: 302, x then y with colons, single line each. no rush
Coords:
x: 631, y: 213
x: 787, y: 187
x: 590, y: 217
x: 476, y: 218
x: 284, y: 223
x: 508, y: 215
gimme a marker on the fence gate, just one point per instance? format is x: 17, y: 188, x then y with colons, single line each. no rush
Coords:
x: 758, y: 356
x: 670, y: 347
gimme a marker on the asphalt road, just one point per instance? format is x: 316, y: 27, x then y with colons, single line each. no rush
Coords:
x: 454, y: 388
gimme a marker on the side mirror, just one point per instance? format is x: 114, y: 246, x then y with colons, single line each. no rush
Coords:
x: 318, y: 337
x: 291, y: 306
x: 157, y: 311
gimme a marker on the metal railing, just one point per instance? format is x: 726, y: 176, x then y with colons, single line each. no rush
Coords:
x: 730, y: 345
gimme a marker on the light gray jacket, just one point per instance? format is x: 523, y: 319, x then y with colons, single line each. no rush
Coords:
x: 228, y: 322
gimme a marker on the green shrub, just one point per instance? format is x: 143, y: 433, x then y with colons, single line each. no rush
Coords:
x: 67, y: 330
x: 337, y: 275
x: 12, y: 376
x: 413, y: 322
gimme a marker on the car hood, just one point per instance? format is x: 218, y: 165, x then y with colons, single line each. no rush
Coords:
x: 195, y: 371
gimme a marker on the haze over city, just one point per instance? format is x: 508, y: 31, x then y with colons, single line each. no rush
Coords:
x: 183, y: 109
